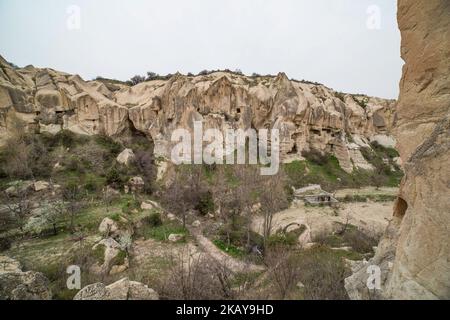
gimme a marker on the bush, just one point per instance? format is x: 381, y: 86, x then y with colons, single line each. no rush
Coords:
x: 114, y: 177
x: 113, y: 147
x: 145, y: 165
x: 130, y: 206
x: 205, y: 204
x: 75, y: 165
x: 153, y: 220
x: 65, y: 138
x: 5, y: 244
x: 315, y: 156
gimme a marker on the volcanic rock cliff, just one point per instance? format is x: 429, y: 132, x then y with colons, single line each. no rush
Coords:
x: 415, y: 252
x: 308, y: 115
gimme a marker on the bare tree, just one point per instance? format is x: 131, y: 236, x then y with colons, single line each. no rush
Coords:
x: 183, y: 193
x: 18, y: 204
x: 73, y: 202
x: 273, y: 199
x: 194, y: 276
x: 283, y: 270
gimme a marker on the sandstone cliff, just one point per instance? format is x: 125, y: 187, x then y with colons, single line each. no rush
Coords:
x: 307, y: 115
x: 415, y: 252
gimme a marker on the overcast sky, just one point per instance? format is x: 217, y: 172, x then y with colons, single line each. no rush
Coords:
x: 349, y: 45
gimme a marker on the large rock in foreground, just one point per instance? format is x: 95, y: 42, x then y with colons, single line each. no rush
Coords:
x: 123, y: 289
x: 18, y: 285
x: 417, y: 241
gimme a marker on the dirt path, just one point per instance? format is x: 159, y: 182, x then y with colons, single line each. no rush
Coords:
x: 210, y: 248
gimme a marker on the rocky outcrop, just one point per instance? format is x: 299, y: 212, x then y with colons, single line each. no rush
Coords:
x: 123, y: 289
x: 18, y: 285
x: 307, y: 115
x: 416, y: 245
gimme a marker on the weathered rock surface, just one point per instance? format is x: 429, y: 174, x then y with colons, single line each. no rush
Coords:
x: 416, y: 242
x: 108, y: 227
x: 111, y: 250
x: 307, y: 115
x: 126, y: 157
x: 123, y: 289
x: 8, y: 264
x: 18, y: 285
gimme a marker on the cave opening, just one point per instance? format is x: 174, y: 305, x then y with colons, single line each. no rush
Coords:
x: 400, y: 208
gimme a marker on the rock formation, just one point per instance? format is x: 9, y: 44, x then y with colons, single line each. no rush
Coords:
x: 18, y: 285
x: 123, y: 289
x: 415, y: 252
x: 308, y: 115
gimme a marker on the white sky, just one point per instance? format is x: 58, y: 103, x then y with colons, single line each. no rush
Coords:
x: 327, y: 41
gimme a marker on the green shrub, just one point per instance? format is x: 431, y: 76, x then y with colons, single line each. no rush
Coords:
x: 316, y: 156
x: 119, y: 259
x: 115, y: 217
x: 206, y: 203
x: 65, y: 138
x: 112, y: 146
x: 130, y: 205
x: 114, y: 177
x: 5, y: 244
x: 99, y: 254
x: 75, y: 165
x: 154, y: 219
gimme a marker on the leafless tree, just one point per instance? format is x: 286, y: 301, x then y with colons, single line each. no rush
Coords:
x: 283, y: 270
x: 183, y: 193
x: 195, y: 276
x: 18, y: 204
x: 273, y: 199
x: 73, y: 202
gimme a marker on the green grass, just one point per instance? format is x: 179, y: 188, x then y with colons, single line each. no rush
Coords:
x: 367, y: 197
x: 162, y: 233
x: 229, y: 249
x: 99, y: 254
x: 331, y: 176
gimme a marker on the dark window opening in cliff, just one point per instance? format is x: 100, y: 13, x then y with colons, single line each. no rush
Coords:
x: 400, y: 208
x: 316, y: 132
x: 294, y: 149
x: 238, y: 110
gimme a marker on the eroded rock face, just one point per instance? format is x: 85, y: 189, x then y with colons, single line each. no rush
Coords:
x: 420, y: 251
x: 307, y: 115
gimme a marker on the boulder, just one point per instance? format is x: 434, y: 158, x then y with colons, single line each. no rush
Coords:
x: 111, y: 250
x: 110, y: 192
x: 196, y: 223
x: 175, y: 237
x: 171, y: 217
x: 123, y: 289
x: 136, y: 184
x: 17, y: 187
x: 149, y: 205
x: 126, y: 157
x: 41, y: 185
x: 18, y: 285
x: 108, y: 227
x: 8, y: 264
x: 414, y: 252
